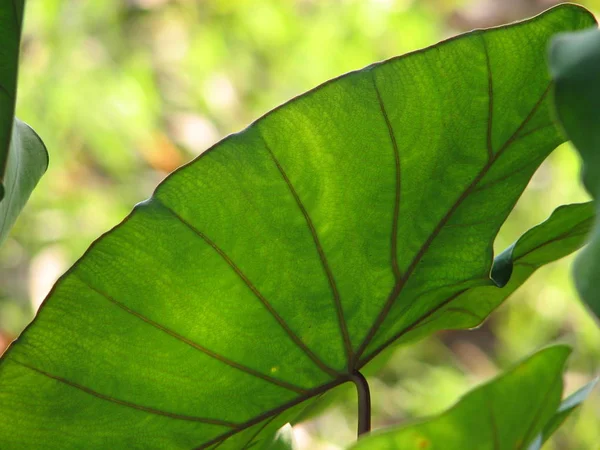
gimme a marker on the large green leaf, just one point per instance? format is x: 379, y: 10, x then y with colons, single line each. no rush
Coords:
x: 575, y: 65
x: 23, y: 157
x: 506, y: 413
x: 286, y: 257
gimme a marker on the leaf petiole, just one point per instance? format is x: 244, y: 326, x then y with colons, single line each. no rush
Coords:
x: 364, y: 402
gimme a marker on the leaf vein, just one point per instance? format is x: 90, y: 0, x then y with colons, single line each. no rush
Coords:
x: 398, y: 185
x: 490, y: 148
x: 399, y: 285
x: 286, y: 328
x: 108, y: 398
x: 257, y: 432
x: 342, y: 378
x: 570, y: 233
x: 539, y: 411
x: 323, y: 258
x: 411, y: 327
x: 195, y: 345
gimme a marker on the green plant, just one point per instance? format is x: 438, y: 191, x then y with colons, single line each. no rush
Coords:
x: 287, y: 257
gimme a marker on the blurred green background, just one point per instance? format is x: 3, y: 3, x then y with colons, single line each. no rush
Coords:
x: 124, y: 91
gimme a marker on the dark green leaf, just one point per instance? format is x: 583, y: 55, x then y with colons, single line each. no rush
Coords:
x: 506, y: 413
x: 287, y: 256
x: 23, y: 157
x: 575, y: 65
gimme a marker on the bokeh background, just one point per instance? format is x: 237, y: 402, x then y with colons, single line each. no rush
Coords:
x: 124, y: 91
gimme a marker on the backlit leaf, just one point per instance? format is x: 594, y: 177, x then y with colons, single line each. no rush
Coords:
x: 287, y: 256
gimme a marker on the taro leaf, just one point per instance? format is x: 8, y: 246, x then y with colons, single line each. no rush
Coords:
x: 283, y: 259
x: 506, y: 413
x: 23, y: 157
x: 568, y: 405
x: 575, y: 65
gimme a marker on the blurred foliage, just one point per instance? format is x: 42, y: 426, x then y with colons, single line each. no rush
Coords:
x: 124, y: 91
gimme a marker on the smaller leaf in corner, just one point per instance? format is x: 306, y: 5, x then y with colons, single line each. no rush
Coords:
x: 508, y: 412
x: 575, y: 67
x: 568, y: 405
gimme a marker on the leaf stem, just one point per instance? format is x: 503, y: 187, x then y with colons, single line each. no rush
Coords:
x: 364, y: 402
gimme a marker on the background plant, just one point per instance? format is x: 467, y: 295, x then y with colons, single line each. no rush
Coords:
x: 102, y: 33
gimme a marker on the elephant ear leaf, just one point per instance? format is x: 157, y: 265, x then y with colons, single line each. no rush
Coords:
x: 504, y: 414
x: 282, y: 260
x: 23, y: 157
x: 575, y: 66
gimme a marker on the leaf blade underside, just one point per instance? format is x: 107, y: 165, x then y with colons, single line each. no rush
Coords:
x: 259, y: 274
